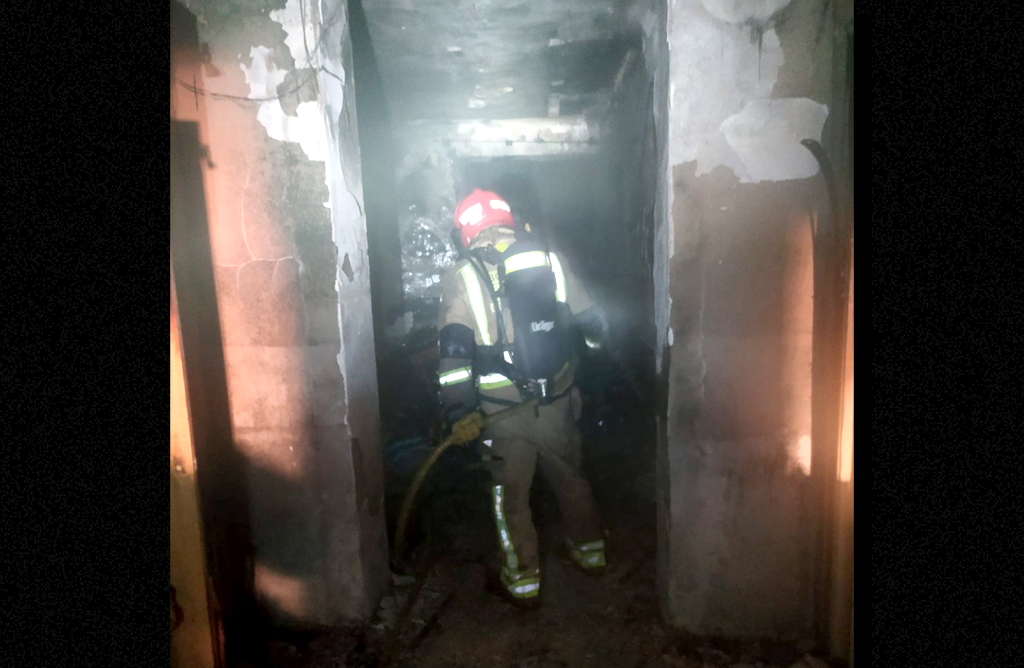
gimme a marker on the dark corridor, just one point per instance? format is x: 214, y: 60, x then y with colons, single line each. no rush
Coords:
x: 571, y: 206
x: 647, y: 142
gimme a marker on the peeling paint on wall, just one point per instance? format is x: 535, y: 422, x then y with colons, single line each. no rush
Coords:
x: 339, y: 200
x: 263, y: 75
x: 342, y: 202
x: 766, y: 136
x: 355, y: 354
x: 305, y: 128
x: 293, y: 21
x: 716, y: 68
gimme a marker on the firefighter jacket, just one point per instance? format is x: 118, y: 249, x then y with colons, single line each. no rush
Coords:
x: 466, y: 301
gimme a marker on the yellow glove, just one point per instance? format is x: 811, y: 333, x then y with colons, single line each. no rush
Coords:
x: 467, y: 429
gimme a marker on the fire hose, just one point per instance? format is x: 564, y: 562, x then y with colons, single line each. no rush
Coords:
x: 464, y: 431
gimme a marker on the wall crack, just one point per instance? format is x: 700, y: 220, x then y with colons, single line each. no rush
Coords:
x: 238, y: 267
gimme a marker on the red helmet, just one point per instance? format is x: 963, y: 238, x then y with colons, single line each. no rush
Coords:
x: 480, y: 210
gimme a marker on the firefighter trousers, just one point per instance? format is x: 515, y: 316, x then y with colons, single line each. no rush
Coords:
x: 551, y: 440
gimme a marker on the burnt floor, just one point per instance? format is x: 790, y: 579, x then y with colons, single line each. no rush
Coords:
x: 453, y: 621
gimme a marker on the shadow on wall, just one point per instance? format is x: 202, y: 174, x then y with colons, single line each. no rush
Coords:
x: 268, y: 512
x: 222, y: 487
x: 289, y: 529
x: 282, y: 340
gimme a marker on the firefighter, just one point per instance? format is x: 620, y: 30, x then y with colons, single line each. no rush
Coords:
x: 506, y: 334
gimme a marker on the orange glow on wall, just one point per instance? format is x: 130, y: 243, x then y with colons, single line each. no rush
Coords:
x: 846, y: 435
x: 841, y: 615
x: 797, y: 341
x: 191, y: 639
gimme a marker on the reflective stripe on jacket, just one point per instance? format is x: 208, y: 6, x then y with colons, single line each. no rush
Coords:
x: 465, y: 300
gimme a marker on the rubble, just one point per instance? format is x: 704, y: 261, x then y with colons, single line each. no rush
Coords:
x: 427, y: 251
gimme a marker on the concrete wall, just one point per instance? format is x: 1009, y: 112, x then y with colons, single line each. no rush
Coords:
x: 275, y: 103
x: 631, y: 150
x: 379, y: 187
x: 745, y: 82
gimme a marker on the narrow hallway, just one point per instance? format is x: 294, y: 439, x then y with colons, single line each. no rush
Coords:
x: 691, y: 164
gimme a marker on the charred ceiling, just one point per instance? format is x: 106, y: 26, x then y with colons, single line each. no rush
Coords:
x: 452, y: 59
